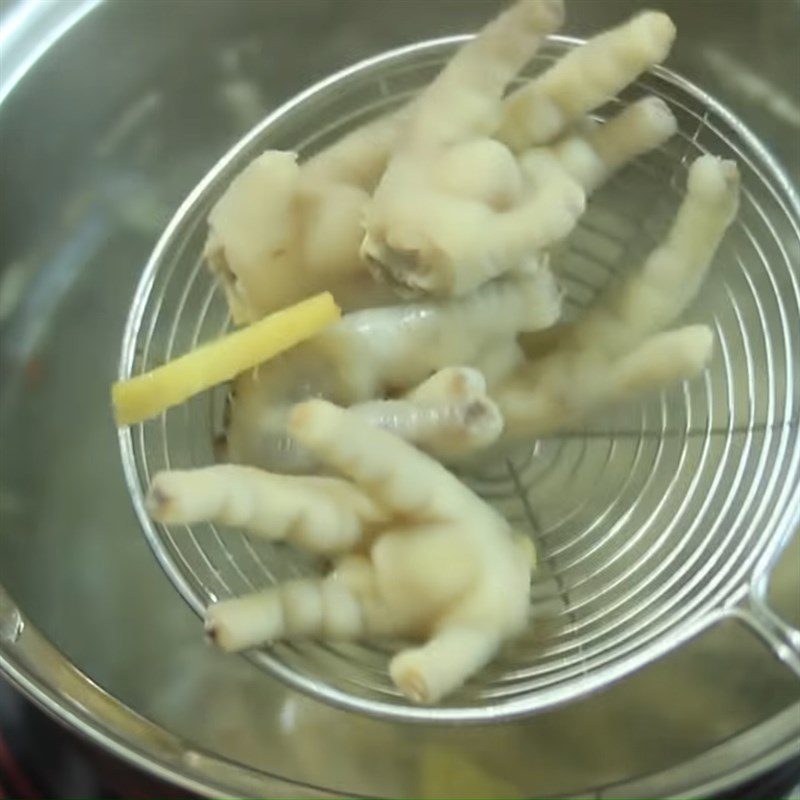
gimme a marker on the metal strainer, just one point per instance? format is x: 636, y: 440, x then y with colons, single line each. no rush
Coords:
x: 651, y: 523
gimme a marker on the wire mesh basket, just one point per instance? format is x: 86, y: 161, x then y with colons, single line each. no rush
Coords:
x: 651, y: 523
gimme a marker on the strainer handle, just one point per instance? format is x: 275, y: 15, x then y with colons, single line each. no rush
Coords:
x: 782, y: 638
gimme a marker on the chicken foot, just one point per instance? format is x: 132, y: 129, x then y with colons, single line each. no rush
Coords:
x: 447, y: 415
x: 584, y: 79
x: 282, y: 230
x: 455, y: 206
x: 462, y: 614
x: 384, y: 353
x: 616, y: 351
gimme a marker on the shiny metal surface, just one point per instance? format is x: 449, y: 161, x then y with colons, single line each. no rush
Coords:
x: 101, y: 140
x: 646, y: 527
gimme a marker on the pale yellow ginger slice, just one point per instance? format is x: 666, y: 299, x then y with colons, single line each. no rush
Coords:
x: 146, y: 395
x: 405, y: 516
x: 616, y: 350
x: 584, y: 79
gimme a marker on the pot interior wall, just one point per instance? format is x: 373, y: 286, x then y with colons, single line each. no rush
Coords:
x: 100, y: 141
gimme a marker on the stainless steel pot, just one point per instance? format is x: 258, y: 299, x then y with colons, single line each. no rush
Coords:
x: 109, y: 114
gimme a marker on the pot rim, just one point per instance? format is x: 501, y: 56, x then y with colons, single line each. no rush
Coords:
x: 28, y: 30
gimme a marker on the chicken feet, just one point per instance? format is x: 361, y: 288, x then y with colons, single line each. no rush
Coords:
x: 617, y: 350
x: 448, y: 415
x: 404, y: 516
x: 456, y: 206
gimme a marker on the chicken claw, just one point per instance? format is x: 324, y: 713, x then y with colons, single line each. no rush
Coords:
x: 584, y: 79
x: 284, y: 230
x: 616, y: 351
x: 447, y: 415
x: 404, y: 515
x: 442, y: 195
x: 452, y: 209
x: 382, y: 353
x: 456, y: 200
x: 320, y: 514
x: 478, y: 186
x: 592, y: 156
x: 395, y: 348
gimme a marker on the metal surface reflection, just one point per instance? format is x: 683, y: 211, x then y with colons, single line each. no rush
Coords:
x: 102, y: 137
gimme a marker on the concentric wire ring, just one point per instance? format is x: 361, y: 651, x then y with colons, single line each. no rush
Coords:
x: 649, y: 523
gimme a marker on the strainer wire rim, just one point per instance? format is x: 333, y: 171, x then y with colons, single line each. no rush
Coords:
x: 552, y: 697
